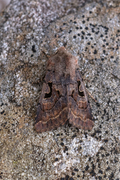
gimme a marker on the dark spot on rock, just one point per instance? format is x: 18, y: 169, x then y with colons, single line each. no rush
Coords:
x: 97, y: 32
x: 105, y: 140
x: 89, y: 34
x: 62, y: 144
x: 75, y: 169
x: 86, y: 168
x: 100, y: 171
x: 74, y: 136
x: 97, y: 104
x: 66, y: 149
x: 71, y: 178
x: 95, y: 51
x: 102, y: 148
x: 111, y: 176
x: 73, y: 173
x: 33, y: 48
x: 104, y: 51
x: 83, y: 32
x: 2, y: 112
x: 70, y: 31
x: 56, y: 159
x: 67, y: 177
x: 86, y: 28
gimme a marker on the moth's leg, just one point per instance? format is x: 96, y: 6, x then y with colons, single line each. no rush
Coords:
x: 91, y: 95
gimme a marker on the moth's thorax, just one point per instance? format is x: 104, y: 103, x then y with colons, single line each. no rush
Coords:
x: 63, y: 64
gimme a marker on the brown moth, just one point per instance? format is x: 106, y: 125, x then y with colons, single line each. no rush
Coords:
x: 63, y: 95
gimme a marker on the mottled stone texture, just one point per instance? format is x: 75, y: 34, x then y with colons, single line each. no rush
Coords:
x: 90, y: 30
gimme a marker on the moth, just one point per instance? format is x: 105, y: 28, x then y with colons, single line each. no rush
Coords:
x: 63, y: 95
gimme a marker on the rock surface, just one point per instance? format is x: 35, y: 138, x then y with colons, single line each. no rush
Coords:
x: 90, y: 30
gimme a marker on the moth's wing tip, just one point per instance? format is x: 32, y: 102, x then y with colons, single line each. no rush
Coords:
x: 40, y: 127
x: 87, y: 125
x: 37, y: 127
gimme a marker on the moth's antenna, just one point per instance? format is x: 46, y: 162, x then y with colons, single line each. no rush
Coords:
x: 47, y: 56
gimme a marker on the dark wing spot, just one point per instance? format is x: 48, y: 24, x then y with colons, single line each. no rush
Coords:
x: 81, y: 93
x: 48, y: 95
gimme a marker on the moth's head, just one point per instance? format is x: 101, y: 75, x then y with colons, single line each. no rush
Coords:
x: 63, y: 52
x: 61, y: 49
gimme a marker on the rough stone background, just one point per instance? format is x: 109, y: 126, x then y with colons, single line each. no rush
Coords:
x: 90, y: 30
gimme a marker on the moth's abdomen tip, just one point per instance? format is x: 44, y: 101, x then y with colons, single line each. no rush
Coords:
x: 89, y: 125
